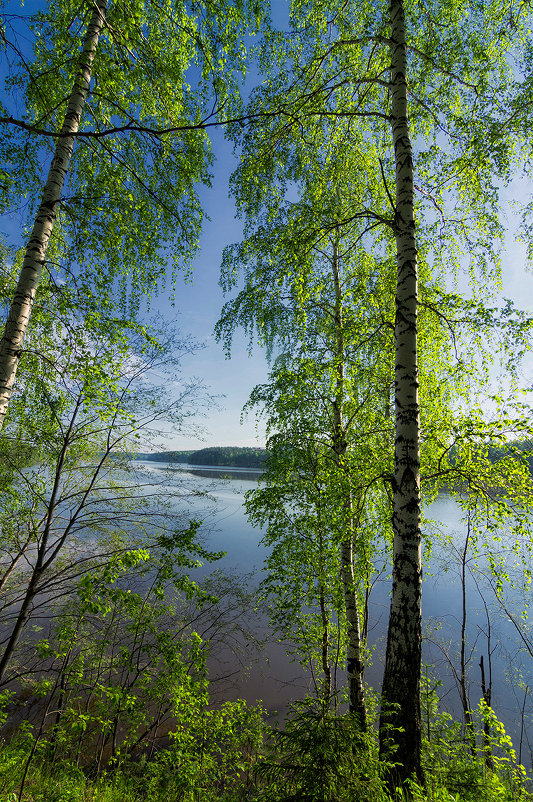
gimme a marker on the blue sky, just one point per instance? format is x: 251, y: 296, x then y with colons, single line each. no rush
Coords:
x: 199, y: 302
x: 197, y: 309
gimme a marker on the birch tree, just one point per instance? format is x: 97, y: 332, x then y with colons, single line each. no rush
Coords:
x: 398, y: 74
x: 23, y: 299
x: 296, y: 297
x: 311, y: 290
x: 130, y: 144
x: 401, y: 678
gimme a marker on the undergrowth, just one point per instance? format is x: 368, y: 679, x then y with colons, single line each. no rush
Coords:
x: 235, y: 757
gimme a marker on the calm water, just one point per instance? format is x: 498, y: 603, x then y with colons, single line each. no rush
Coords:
x: 280, y: 681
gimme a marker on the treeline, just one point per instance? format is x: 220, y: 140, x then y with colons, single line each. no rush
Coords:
x: 166, y: 456
x: 230, y: 456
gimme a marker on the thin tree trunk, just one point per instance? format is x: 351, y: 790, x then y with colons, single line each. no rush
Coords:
x: 522, y: 722
x: 41, y: 564
x: 61, y: 700
x: 34, y: 258
x: 326, y: 668
x: 471, y: 734
x: 354, y: 662
x: 401, y: 681
x: 486, y: 690
x: 325, y: 651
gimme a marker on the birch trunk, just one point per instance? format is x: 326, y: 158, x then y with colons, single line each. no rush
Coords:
x: 354, y: 662
x: 34, y: 258
x: 401, y: 681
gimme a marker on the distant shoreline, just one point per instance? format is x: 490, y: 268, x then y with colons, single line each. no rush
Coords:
x: 213, y: 457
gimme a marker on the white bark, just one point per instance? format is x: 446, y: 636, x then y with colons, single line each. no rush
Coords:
x: 401, y: 682
x: 34, y: 258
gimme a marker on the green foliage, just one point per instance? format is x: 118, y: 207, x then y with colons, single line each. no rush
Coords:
x: 160, y: 75
x: 229, y: 754
x: 453, y: 773
x: 211, y: 758
x: 121, y: 675
x: 320, y: 757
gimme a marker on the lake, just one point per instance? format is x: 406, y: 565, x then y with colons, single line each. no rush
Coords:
x: 279, y: 681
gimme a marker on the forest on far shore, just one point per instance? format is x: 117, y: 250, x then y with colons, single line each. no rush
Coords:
x: 228, y: 456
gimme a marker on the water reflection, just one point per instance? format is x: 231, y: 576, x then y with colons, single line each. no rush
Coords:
x: 275, y: 680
